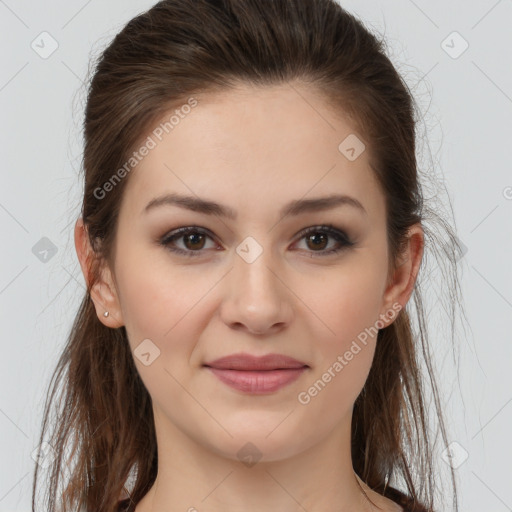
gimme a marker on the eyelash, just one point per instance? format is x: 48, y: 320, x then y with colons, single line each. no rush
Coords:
x: 327, y: 229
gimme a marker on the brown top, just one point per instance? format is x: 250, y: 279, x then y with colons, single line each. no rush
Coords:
x: 406, y: 502
x: 398, y: 497
x: 125, y: 505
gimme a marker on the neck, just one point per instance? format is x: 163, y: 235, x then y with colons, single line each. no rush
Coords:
x: 195, y: 478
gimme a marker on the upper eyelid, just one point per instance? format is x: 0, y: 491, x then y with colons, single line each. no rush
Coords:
x: 327, y: 228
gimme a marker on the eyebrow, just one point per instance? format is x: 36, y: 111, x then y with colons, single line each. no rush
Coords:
x: 295, y: 207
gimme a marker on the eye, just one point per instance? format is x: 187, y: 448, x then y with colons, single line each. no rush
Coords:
x: 316, y: 237
x: 193, y: 238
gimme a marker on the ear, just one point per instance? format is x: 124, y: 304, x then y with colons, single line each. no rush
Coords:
x: 403, y: 276
x: 103, y: 291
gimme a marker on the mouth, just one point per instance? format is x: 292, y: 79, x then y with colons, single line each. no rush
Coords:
x: 257, y: 375
x: 247, y: 362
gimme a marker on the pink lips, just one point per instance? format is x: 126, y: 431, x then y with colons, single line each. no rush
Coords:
x: 256, y: 375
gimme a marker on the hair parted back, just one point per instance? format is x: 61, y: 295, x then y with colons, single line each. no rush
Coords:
x: 103, y: 430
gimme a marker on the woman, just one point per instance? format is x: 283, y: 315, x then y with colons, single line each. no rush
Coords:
x: 251, y: 234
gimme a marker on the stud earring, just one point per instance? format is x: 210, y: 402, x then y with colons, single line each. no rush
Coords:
x: 106, y: 313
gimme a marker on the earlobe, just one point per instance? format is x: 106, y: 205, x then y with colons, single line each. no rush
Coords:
x: 401, y: 285
x: 105, y: 299
x: 102, y: 290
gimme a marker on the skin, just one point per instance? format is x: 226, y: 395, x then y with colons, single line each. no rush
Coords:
x: 254, y: 150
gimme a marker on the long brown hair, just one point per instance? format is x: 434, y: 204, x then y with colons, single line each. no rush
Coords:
x: 103, y: 431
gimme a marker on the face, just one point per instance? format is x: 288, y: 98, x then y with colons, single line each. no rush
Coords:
x: 311, y: 284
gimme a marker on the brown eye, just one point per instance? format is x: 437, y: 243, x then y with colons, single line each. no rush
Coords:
x: 317, y: 239
x: 192, y: 238
x: 194, y: 241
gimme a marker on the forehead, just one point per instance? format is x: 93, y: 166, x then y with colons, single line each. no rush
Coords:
x: 241, y: 146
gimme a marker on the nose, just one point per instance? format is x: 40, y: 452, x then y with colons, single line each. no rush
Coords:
x: 256, y: 298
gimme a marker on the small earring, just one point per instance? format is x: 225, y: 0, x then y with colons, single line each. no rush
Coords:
x: 106, y: 313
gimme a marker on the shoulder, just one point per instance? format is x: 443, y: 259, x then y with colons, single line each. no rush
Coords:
x: 386, y: 504
x: 403, y: 502
x: 392, y: 500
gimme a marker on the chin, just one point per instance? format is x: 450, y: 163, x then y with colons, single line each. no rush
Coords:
x: 257, y: 442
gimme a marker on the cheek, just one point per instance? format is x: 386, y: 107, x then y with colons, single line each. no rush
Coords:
x: 348, y: 304
x: 157, y: 300
x: 344, y: 356
x: 161, y: 305
x: 347, y: 301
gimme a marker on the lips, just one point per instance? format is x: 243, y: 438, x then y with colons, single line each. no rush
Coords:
x: 247, y: 362
x: 256, y: 375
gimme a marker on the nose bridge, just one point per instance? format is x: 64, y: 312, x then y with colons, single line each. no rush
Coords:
x: 252, y: 270
x: 255, y: 297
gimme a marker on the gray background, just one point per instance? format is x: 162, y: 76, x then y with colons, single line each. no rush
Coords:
x: 466, y: 101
